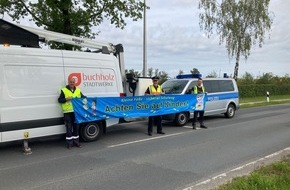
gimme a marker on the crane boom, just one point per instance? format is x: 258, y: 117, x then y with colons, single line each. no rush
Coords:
x: 46, y: 35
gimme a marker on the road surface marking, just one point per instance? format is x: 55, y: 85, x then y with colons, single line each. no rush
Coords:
x: 190, y: 127
x: 143, y: 140
x: 223, y: 175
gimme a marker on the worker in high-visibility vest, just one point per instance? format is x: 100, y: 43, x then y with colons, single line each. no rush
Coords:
x: 154, y: 89
x: 72, y: 129
x: 199, y: 89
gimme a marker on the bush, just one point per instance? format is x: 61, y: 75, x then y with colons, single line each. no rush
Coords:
x: 248, y: 91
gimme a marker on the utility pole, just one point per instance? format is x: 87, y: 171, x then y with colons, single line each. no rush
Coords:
x: 144, y: 42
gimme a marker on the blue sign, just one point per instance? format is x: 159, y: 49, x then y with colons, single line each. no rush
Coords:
x: 100, y: 108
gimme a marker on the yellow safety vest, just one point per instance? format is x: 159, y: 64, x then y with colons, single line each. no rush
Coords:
x: 195, y: 90
x: 155, y: 91
x: 67, y: 107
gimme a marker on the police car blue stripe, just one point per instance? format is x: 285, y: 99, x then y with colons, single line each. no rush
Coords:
x: 222, y: 96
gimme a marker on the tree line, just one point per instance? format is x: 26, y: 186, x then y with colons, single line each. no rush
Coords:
x: 259, y: 86
x: 249, y: 86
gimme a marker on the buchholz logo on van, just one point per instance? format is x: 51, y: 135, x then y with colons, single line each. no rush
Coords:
x: 91, y: 80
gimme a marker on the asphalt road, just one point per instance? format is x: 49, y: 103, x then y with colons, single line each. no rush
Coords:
x: 126, y: 158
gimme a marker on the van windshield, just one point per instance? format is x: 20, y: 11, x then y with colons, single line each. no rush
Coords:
x: 174, y: 86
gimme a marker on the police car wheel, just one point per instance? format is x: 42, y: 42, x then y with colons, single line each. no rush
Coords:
x: 181, y: 119
x: 230, y: 111
x: 91, y: 132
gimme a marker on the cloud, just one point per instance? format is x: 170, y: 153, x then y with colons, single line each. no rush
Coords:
x: 175, y: 42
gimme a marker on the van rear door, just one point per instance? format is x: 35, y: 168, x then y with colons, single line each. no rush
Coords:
x: 30, y: 78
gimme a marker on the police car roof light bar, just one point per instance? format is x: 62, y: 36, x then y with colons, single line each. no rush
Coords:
x: 186, y: 76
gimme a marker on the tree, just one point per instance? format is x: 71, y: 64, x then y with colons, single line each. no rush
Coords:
x: 132, y: 71
x: 266, y: 78
x: 150, y: 72
x: 73, y: 17
x: 285, y: 79
x: 213, y: 74
x: 156, y: 72
x: 180, y: 72
x: 194, y: 71
x: 163, y: 76
x: 240, y: 24
x: 246, y: 79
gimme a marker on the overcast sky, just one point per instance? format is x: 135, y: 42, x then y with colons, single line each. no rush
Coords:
x: 175, y: 42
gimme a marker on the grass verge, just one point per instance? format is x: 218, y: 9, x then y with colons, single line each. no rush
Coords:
x: 273, y: 177
x: 262, y: 101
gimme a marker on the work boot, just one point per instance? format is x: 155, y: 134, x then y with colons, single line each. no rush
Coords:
x: 193, y: 126
x: 203, y: 126
x: 78, y: 145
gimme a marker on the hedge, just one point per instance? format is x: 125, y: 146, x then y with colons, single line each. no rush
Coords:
x: 247, y: 91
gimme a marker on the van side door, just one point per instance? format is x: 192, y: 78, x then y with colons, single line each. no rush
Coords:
x: 213, y: 105
x: 219, y: 92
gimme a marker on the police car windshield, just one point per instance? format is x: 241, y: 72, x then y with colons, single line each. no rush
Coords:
x: 174, y: 86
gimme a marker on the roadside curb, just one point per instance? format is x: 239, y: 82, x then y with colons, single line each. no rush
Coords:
x: 246, y: 169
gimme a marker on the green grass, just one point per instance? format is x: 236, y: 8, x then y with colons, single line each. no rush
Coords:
x: 272, y: 177
x: 264, y: 98
x: 262, y: 101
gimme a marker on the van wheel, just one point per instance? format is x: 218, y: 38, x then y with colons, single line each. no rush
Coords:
x: 91, y: 132
x: 181, y: 118
x: 230, y: 111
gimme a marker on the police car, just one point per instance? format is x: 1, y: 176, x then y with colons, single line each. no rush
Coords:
x: 222, y: 93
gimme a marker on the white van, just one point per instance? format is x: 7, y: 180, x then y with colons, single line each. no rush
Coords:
x: 223, y: 96
x: 31, y: 79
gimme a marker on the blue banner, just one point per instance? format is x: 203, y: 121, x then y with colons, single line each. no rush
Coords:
x: 100, y: 108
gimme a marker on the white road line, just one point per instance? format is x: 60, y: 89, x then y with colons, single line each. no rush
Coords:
x: 190, y: 127
x: 187, y: 126
x: 222, y: 175
x: 143, y: 140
